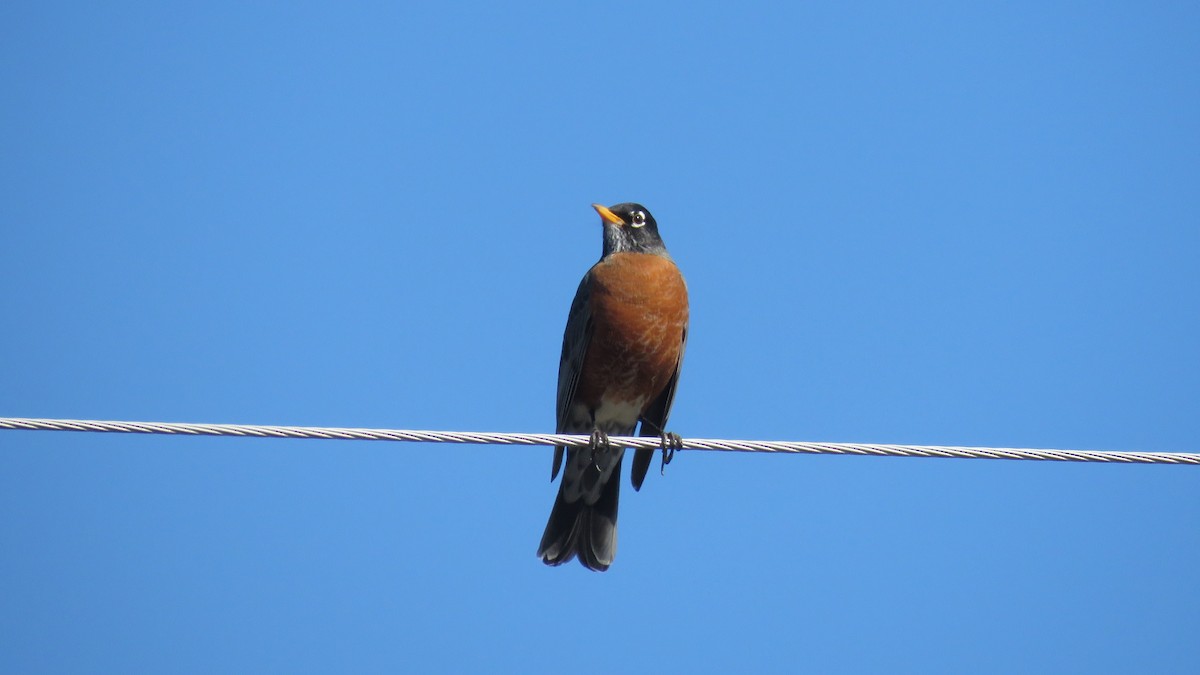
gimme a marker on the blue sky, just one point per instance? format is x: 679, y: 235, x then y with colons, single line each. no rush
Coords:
x: 900, y: 223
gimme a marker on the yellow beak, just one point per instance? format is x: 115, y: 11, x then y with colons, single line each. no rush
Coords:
x: 608, y: 216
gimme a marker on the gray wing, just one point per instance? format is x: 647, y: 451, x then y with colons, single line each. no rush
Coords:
x: 575, y: 343
x: 654, y: 420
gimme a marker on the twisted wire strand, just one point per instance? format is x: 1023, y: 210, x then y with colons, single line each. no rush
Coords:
x: 494, y: 438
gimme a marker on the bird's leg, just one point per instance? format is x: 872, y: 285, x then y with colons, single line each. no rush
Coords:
x: 599, y: 440
x: 671, y: 442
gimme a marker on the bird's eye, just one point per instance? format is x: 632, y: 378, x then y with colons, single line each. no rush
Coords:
x: 639, y: 218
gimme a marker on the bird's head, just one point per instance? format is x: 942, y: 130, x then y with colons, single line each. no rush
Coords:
x: 630, y: 228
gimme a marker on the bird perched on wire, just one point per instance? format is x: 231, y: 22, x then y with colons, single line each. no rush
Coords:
x: 621, y: 355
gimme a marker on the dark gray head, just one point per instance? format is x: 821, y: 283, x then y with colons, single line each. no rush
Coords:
x: 630, y: 227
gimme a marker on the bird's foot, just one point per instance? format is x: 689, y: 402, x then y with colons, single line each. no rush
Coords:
x: 671, y: 442
x: 598, y: 442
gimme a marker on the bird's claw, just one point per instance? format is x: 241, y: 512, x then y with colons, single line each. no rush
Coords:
x: 599, y: 440
x: 671, y: 442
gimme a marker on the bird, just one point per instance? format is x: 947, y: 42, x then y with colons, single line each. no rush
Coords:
x: 621, y: 356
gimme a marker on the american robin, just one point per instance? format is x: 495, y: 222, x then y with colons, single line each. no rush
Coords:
x: 620, y: 362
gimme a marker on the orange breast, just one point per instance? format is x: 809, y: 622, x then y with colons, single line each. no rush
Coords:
x: 639, y: 309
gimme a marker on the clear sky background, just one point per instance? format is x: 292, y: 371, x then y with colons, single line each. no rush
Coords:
x: 950, y: 223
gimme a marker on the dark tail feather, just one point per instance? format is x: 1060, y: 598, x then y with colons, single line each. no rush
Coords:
x: 589, y: 531
x: 641, y: 462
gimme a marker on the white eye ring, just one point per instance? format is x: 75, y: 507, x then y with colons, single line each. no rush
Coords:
x: 639, y: 218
